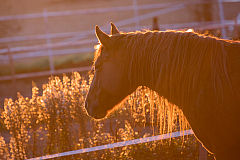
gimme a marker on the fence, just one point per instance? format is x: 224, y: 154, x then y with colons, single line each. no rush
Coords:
x: 49, y: 49
x: 121, y: 144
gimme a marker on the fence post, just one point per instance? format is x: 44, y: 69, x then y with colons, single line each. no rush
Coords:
x: 202, y: 152
x: 222, y: 19
x: 49, y: 50
x: 12, y: 72
x: 237, y: 36
x: 135, y: 8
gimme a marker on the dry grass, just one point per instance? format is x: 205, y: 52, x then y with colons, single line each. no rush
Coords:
x: 57, y: 121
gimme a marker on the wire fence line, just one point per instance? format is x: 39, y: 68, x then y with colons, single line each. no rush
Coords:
x: 118, y: 144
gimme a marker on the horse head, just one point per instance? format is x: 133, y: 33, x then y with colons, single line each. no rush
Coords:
x: 110, y: 82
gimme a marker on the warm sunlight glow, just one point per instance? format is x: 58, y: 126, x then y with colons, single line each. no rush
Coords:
x: 96, y: 47
x: 190, y: 30
x: 140, y: 115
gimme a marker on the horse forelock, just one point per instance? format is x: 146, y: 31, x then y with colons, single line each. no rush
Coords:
x: 98, y: 49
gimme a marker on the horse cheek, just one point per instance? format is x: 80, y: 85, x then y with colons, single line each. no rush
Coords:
x: 111, y: 78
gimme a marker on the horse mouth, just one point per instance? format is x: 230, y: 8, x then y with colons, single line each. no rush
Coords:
x: 100, y: 115
x: 95, y: 112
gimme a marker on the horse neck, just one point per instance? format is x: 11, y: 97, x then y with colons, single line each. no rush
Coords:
x: 168, y: 67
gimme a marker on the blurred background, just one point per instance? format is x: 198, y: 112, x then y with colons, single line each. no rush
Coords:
x: 51, y: 37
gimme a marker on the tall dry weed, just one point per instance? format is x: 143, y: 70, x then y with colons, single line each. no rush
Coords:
x: 57, y: 122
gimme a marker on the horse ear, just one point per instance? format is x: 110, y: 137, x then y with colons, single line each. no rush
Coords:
x: 114, y: 29
x: 102, y: 37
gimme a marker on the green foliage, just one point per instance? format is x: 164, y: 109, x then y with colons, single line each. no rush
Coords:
x: 56, y: 122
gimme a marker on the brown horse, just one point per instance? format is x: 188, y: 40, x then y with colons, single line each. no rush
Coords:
x: 200, y: 74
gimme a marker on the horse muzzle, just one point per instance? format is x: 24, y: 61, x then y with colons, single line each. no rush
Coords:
x: 95, y: 111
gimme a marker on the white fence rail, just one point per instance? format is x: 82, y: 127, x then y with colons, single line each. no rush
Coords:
x: 99, y: 10
x: 50, y: 46
x: 118, y: 144
x: 47, y: 49
x: 45, y: 73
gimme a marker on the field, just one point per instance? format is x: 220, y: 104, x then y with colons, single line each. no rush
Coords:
x: 57, y: 122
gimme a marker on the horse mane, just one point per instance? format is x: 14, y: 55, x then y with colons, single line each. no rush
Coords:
x: 184, y: 58
x: 181, y: 58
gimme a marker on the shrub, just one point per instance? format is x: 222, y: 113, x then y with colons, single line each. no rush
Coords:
x: 57, y: 122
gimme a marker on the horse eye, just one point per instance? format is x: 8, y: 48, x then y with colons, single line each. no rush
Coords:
x: 98, y: 63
